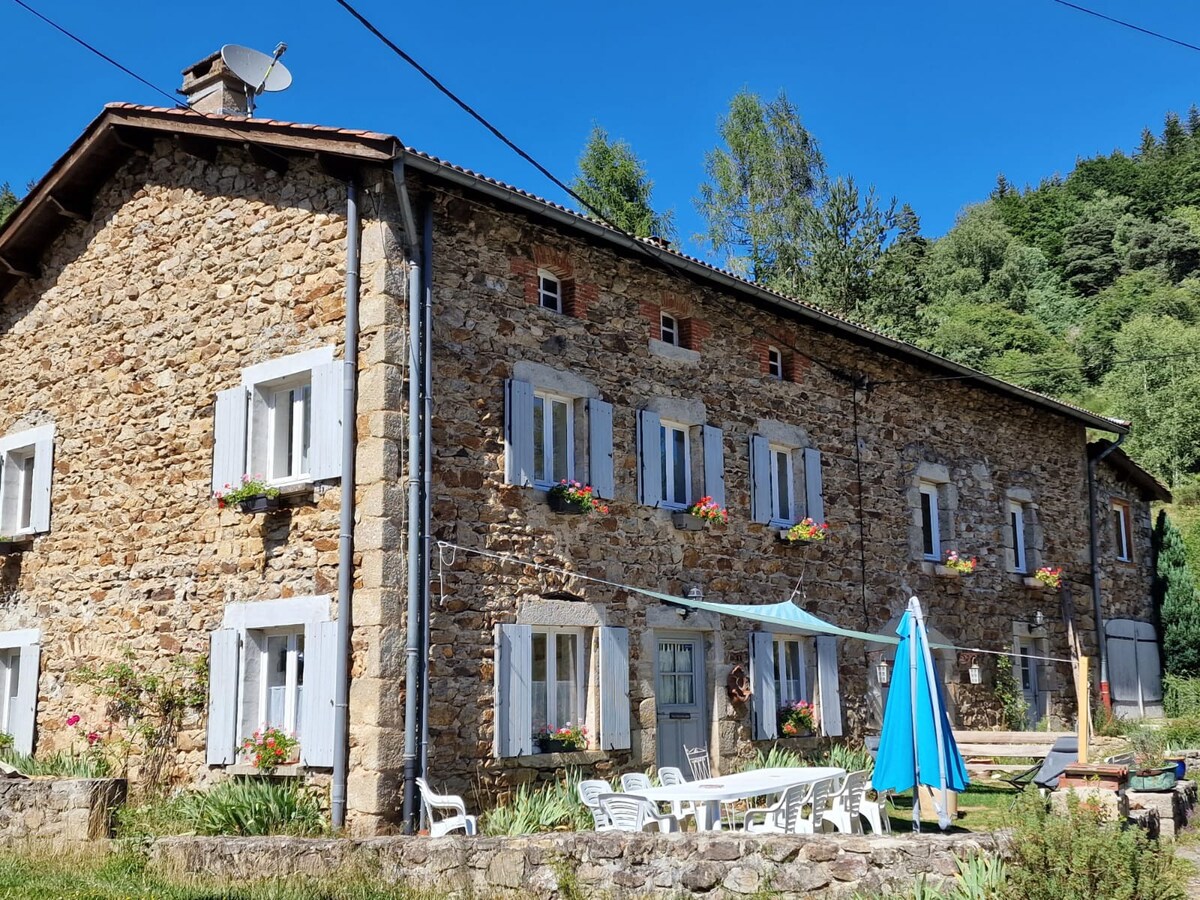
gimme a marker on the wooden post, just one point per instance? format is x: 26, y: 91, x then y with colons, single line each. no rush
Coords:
x: 1083, y: 698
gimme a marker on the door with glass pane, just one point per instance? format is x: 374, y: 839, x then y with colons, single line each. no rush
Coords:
x: 1028, y: 675
x: 679, y: 697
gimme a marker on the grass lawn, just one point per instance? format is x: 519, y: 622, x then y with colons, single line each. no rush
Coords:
x: 39, y: 876
x: 983, y: 806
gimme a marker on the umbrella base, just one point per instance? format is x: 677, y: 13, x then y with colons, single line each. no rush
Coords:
x: 929, y: 811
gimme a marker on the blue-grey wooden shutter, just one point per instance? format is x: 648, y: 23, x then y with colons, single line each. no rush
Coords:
x: 814, y: 498
x: 600, y: 448
x: 649, y: 439
x: 518, y: 432
x: 229, y: 439
x: 1148, y: 666
x: 764, y: 704
x: 714, y: 464
x: 514, y: 690
x: 320, y: 658
x: 325, y: 447
x: 614, y: 688
x: 222, y: 697
x: 760, y: 479
x: 43, y: 473
x: 829, y: 693
x: 24, y: 713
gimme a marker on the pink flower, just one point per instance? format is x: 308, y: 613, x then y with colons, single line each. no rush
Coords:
x: 72, y: 721
x: 92, y: 737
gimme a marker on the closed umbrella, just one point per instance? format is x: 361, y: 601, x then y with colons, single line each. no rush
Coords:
x: 917, y: 744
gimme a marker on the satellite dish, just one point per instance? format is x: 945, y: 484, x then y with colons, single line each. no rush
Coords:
x: 258, y: 71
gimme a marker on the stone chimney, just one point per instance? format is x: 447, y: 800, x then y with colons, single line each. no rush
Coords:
x: 211, y: 88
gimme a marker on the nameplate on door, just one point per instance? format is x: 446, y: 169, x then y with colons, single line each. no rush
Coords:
x: 679, y: 715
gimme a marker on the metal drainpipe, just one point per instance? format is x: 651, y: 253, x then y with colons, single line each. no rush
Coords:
x: 426, y: 469
x: 341, y: 676
x: 1094, y: 539
x: 414, y: 670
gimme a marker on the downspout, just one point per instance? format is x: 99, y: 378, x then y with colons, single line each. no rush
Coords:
x: 1094, y: 538
x: 427, y: 469
x: 341, y: 676
x: 414, y: 669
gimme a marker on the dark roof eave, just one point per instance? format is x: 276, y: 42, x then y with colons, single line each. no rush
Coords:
x: 891, y: 346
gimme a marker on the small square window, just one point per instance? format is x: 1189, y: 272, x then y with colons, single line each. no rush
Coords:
x: 670, y: 329
x: 550, y: 292
x: 775, y: 363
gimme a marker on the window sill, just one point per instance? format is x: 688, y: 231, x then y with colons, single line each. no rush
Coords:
x: 670, y: 351
x: 558, y: 760
x: 1032, y: 583
x: 945, y: 571
x: 19, y: 544
x: 293, y: 771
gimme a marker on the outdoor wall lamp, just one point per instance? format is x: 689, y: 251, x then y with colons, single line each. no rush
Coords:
x: 883, y: 672
x: 1038, y: 622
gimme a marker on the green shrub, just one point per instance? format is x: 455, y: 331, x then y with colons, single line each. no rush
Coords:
x: 1108, y: 725
x: 238, y: 806
x: 550, y: 807
x: 59, y: 765
x: 1083, y: 853
x: 1181, y: 696
x: 775, y: 758
x: 156, y: 818
x: 851, y: 757
x: 1181, y: 734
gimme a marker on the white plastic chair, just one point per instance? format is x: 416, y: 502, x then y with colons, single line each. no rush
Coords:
x: 670, y: 776
x: 875, y: 811
x: 589, y: 793
x: 783, y: 816
x: 845, y: 804
x: 629, y: 812
x: 697, y: 758
x: 632, y: 782
x: 432, y: 801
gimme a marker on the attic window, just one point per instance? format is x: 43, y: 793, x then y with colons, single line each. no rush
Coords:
x: 775, y: 363
x: 550, y: 292
x: 669, y: 329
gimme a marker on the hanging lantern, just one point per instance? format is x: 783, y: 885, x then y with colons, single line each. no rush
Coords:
x: 883, y: 672
x: 975, y: 673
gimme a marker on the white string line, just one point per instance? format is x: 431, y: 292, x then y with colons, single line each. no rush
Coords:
x: 508, y: 557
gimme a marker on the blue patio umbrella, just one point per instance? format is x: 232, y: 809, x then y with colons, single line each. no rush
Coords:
x: 917, y: 744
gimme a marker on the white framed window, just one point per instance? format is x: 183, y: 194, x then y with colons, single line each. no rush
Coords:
x: 669, y: 329
x: 19, y: 657
x: 1123, y: 530
x: 553, y: 439
x: 775, y: 363
x: 283, y: 424
x: 10, y: 684
x: 791, y: 670
x: 550, y: 292
x: 271, y: 664
x: 674, y: 446
x: 558, y: 677
x: 931, y: 540
x: 783, y: 495
x: 26, y: 467
x: 1016, y: 523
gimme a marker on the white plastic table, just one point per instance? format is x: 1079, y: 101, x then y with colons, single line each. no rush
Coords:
x: 709, y: 793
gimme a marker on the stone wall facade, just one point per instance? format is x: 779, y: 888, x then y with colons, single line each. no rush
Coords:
x: 58, y: 811
x: 616, y: 865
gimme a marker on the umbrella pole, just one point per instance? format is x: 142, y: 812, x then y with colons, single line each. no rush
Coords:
x: 914, y: 608
x: 931, y: 678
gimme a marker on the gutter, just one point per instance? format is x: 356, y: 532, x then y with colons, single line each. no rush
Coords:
x: 1094, y: 547
x: 341, y: 677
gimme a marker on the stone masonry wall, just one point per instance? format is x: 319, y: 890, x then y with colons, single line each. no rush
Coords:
x: 610, y: 865
x: 988, y: 444
x: 58, y: 810
x: 187, y: 272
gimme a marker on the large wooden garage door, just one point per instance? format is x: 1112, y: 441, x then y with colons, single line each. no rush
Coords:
x: 1134, y: 671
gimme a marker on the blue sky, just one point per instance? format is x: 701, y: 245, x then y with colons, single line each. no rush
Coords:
x: 927, y: 100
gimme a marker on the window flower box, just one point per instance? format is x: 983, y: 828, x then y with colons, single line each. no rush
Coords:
x: 956, y: 565
x: 260, y: 504
x: 945, y: 571
x: 1045, y: 577
x: 553, y: 745
x: 567, y: 739
x: 805, y: 532
x: 570, y: 498
x: 685, y: 521
x: 699, y: 514
x: 253, y: 495
x: 1032, y: 583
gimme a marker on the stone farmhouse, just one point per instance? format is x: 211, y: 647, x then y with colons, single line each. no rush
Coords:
x: 190, y: 296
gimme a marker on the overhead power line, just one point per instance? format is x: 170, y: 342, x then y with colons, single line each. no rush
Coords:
x: 100, y: 53
x: 1129, y: 25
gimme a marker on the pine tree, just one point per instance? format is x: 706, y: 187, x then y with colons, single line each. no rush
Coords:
x: 1193, y: 123
x: 1149, y: 144
x: 8, y: 201
x: 1175, y: 597
x: 1174, y: 137
x: 613, y: 181
x: 1002, y: 188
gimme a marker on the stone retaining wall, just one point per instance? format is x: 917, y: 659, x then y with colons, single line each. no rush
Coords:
x: 613, y: 865
x: 58, y: 810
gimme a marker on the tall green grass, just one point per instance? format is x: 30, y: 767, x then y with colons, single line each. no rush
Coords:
x: 241, y: 807
x: 58, y: 765
x: 850, y: 757
x: 531, y: 809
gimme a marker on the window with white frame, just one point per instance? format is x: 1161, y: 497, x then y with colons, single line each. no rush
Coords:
x: 931, y: 541
x: 283, y: 424
x: 19, y: 656
x: 674, y: 445
x: 550, y: 291
x: 669, y: 329
x: 783, y: 495
x: 1020, y: 562
x: 271, y: 665
x: 1123, y: 530
x: 775, y: 363
x: 10, y: 683
x: 558, y: 679
x: 791, y: 670
x: 553, y: 439
x: 26, y: 467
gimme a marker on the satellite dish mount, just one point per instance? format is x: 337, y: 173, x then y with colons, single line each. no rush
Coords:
x: 258, y: 71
